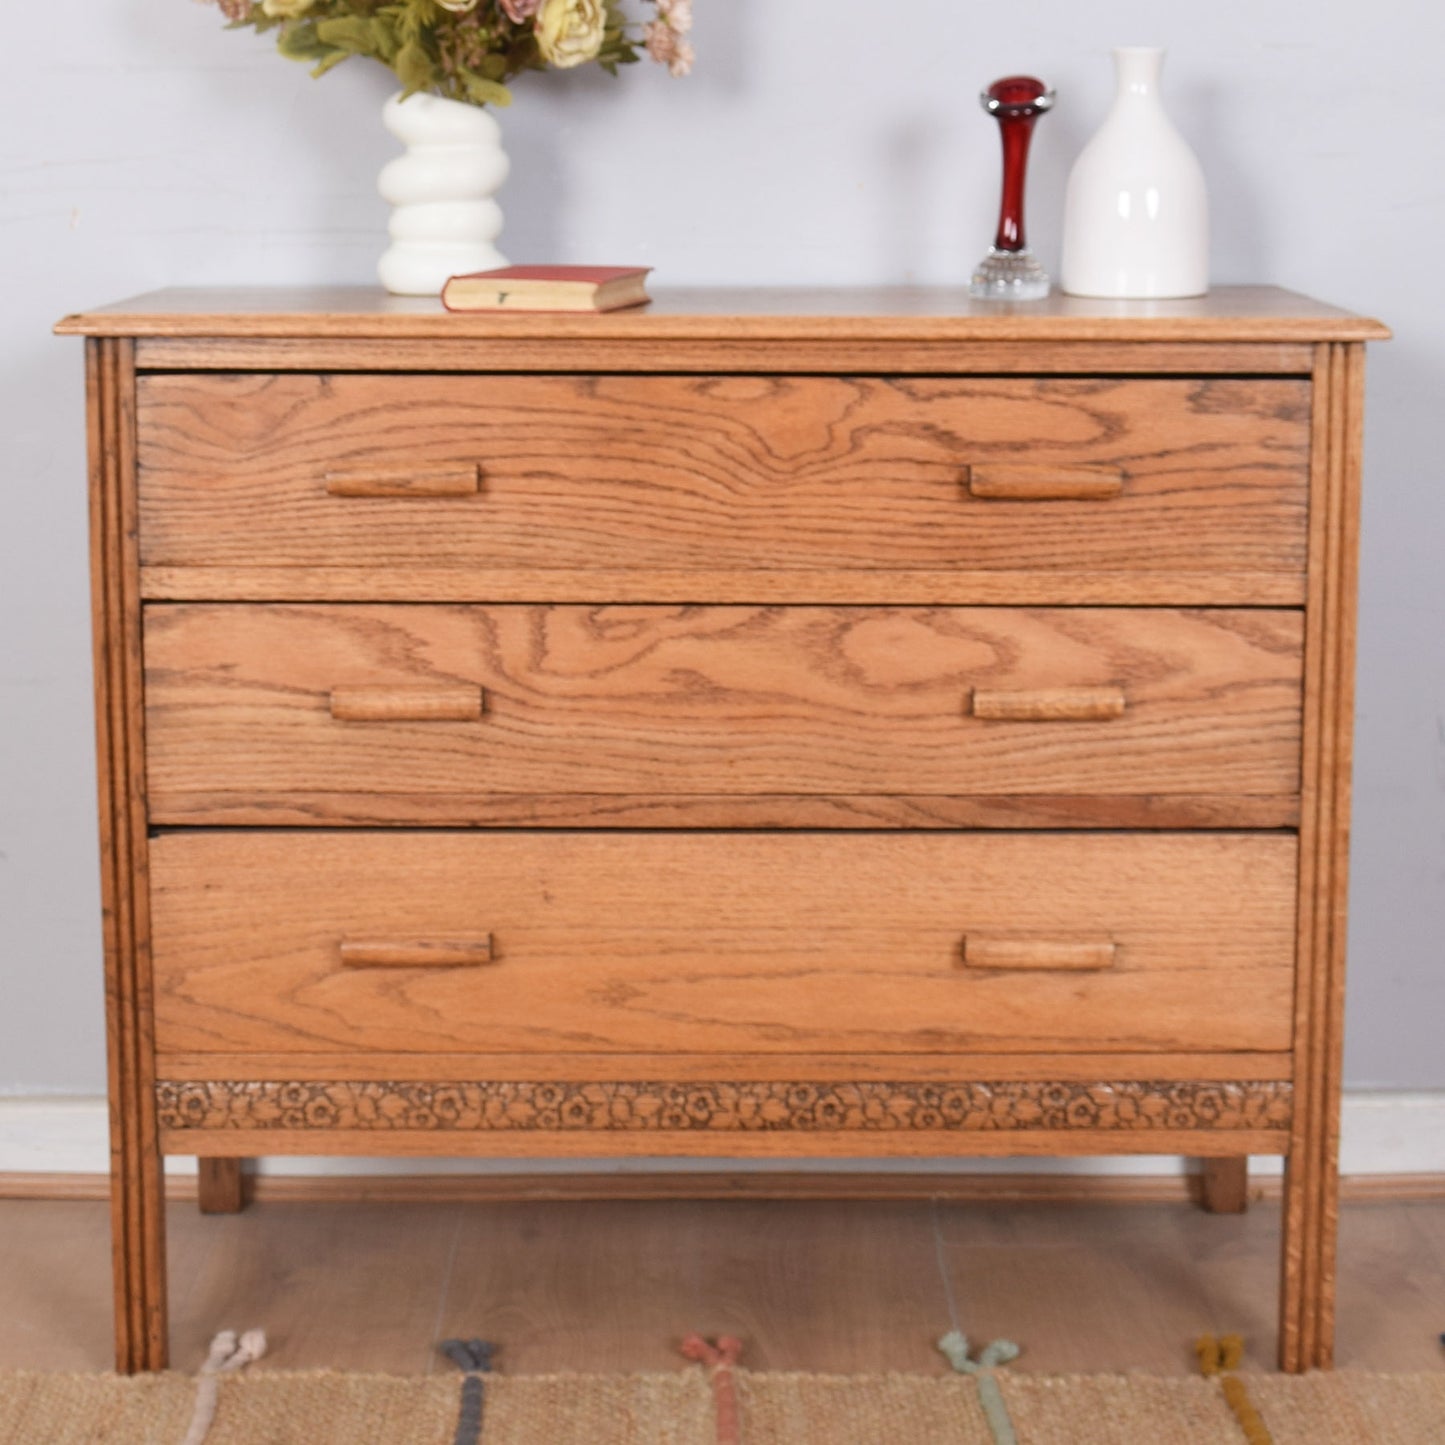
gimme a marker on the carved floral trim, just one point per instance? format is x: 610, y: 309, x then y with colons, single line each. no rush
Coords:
x: 745, y: 1107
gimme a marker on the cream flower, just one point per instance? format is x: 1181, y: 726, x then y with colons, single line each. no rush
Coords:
x: 570, y: 32
x: 285, y: 9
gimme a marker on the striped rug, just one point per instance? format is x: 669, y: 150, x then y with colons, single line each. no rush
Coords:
x: 263, y: 1407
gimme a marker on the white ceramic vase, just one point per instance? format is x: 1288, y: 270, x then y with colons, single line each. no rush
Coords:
x: 444, y: 217
x: 1136, y: 213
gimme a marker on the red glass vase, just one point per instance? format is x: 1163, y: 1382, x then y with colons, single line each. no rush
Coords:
x: 1010, y: 271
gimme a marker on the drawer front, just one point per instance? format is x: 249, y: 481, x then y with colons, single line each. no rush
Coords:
x: 715, y: 476
x: 364, y: 713
x: 654, y: 943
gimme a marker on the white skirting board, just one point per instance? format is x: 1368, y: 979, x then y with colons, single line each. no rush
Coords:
x: 1382, y: 1133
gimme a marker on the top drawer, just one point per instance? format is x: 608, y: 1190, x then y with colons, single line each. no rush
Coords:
x: 658, y: 488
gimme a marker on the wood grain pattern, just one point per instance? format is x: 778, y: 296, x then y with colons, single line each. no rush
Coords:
x: 1062, y: 586
x: 794, y: 1106
x: 1061, y: 483
x: 742, y: 473
x: 777, y: 561
x: 1307, y: 1289
x: 844, y: 812
x: 719, y: 1066
x: 855, y: 811
x: 759, y: 943
x: 870, y: 314
x: 437, y: 702
x: 668, y: 702
x: 404, y: 481
x: 137, y: 1199
x: 1048, y: 954
x: 781, y: 356
x: 770, y: 1144
x: 1224, y: 1185
x: 1058, y: 704
x: 415, y: 953
x: 220, y: 1186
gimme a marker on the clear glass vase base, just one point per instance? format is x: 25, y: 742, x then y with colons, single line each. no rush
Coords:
x: 1009, y: 276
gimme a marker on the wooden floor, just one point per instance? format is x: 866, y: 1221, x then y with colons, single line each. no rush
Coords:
x: 809, y: 1286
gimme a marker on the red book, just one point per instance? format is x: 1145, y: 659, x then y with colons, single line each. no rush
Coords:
x: 548, y: 288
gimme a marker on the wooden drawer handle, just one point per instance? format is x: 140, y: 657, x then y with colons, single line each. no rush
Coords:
x: 406, y: 482
x: 1039, y: 953
x: 416, y: 953
x: 1060, y: 704
x: 1001, y: 482
x: 407, y: 704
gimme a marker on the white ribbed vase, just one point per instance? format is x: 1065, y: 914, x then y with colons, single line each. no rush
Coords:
x: 444, y: 217
x: 1136, y: 212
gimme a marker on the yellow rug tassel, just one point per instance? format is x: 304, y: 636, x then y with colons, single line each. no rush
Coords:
x: 1225, y: 1354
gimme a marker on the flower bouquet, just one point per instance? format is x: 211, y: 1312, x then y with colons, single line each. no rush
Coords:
x: 467, y: 50
x: 453, y: 58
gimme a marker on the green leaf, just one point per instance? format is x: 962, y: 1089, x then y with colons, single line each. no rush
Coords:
x: 299, y: 42
x: 414, y: 16
x: 414, y: 67
x: 329, y: 63
x: 485, y: 92
x: 352, y: 33
x: 387, y: 41
x: 257, y: 20
x: 400, y: 20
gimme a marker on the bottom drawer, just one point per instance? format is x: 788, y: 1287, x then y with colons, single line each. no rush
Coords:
x: 764, y: 943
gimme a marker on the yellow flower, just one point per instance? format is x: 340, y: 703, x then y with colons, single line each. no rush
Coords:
x: 286, y: 9
x: 569, y: 32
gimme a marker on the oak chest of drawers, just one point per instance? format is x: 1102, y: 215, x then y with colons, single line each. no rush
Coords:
x: 768, y: 724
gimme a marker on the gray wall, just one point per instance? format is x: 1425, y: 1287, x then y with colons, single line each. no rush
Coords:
x: 819, y: 140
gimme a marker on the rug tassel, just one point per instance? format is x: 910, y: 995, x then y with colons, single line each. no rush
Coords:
x: 954, y: 1348
x: 474, y: 1359
x: 227, y: 1355
x: 1216, y: 1358
x: 720, y: 1357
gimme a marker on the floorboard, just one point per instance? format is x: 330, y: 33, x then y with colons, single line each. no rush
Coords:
x: 823, y: 1285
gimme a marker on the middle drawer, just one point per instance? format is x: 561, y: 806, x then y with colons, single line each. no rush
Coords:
x: 720, y: 715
